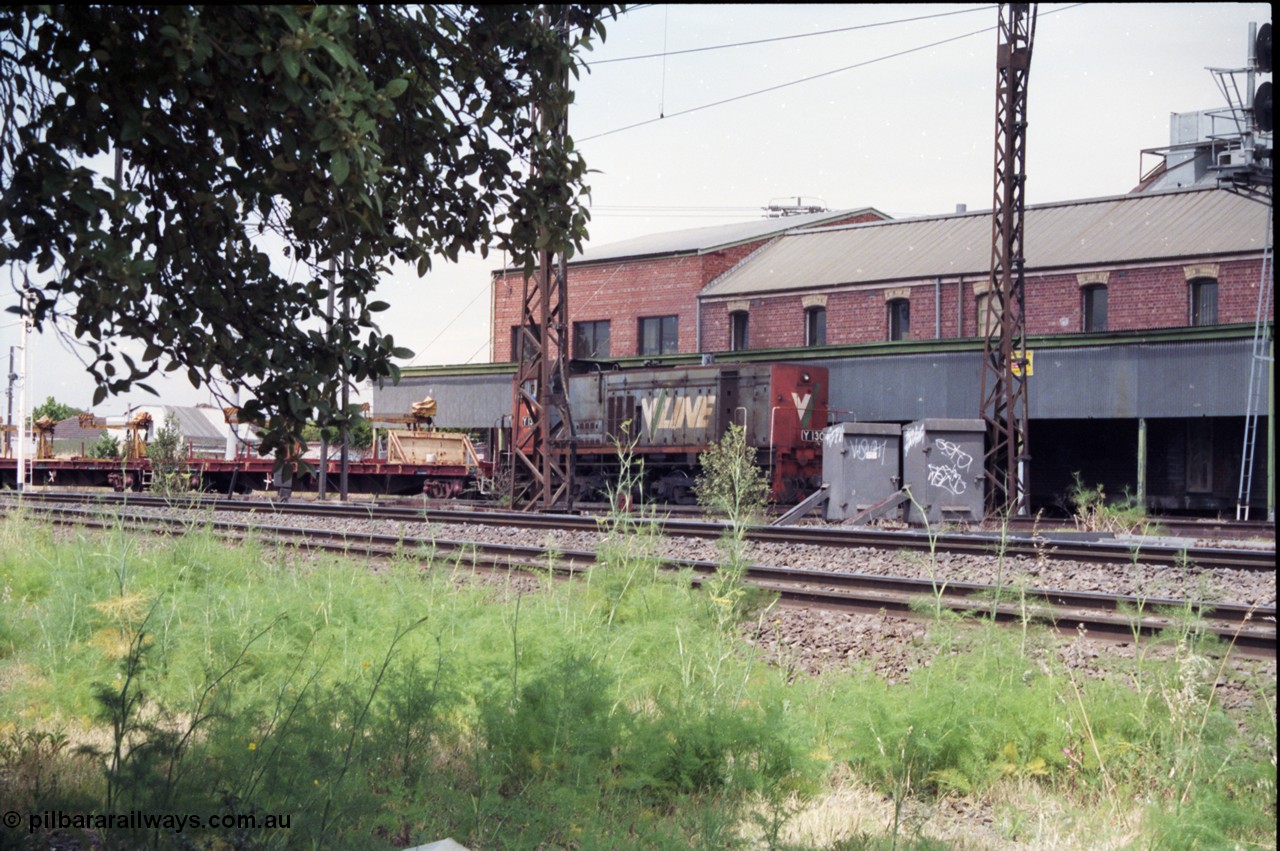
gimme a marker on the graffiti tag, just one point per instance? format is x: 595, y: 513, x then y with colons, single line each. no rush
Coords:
x: 947, y: 476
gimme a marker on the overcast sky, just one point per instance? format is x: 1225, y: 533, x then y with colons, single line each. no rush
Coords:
x: 894, y: 108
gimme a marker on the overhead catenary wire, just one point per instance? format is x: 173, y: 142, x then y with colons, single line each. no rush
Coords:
x: 807, y: 79
x: 449, y: 325
x: 668, y: 53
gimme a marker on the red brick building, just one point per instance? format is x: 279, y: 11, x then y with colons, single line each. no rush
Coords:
x: 1164, y: 260
x: 639, y: 297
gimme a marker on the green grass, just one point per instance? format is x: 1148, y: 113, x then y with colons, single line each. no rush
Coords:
x: 398, y: 706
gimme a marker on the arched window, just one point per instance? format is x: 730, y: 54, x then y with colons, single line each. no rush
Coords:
x: 815, y: 326
x: 899, y: 319
x: 1204, y: 301
x: 1093, y: 307
x: 739, y: 331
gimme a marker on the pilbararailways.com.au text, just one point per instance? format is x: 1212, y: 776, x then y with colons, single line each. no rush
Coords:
x: 139, y: 820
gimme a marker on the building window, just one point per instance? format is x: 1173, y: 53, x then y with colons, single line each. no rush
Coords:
x: 591, y: 340
x: 1204, y: 301
x: 738, y: 331
x: 899, y: 319
x: 988, y: 319
x: 815, y: 326
x: 1094, y: 308
x: 515, y: 340
x: 659, y: 335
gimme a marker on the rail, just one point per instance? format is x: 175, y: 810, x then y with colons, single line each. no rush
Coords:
x: 1041, y: 544
x: 1245, y: 630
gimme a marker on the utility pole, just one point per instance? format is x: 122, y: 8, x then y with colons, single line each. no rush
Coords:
x: 1006, y: 363
x: 541, y: 475
x: 323, y: 483
x: 344, y: 470
x: 20, y: 481
x: 13, y: 378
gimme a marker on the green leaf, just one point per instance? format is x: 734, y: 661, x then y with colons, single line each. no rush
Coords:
x: 292, y: 63
x: 339, y: 54
x: 395, y: 88
x: 339, y: 167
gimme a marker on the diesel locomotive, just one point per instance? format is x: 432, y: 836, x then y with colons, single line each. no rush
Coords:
x: 667, y: 417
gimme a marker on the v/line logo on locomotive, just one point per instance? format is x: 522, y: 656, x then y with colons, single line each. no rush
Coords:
x: 804, y: 410
x: 668, y: 412
x: 673, y: 412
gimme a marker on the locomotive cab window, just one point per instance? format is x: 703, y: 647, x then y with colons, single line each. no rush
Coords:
x: 659, y: 335
x: 739, y: 329
x: 815, y: 326
x: 1204, y: 301
x: 1094, y: 308
x: 591, y: 340
x: 899, y: 319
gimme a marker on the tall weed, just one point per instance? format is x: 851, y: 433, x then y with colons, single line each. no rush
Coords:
x: 612, y: 712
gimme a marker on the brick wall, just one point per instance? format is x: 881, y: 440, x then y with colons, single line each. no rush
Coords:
x: 1138, y: 298
x: 625, y: 291
x: 620, y: 293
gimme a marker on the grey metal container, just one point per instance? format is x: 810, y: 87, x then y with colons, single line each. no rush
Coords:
x: 942, y: 465
x: 860, y: 464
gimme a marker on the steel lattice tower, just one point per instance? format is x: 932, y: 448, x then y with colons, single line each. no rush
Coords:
x: 542, y: 477
x: 1005, y: 364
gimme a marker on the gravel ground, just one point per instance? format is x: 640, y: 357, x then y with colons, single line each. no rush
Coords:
x: 1147, y: 581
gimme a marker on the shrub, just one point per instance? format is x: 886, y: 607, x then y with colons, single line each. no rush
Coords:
x: 731, y: 483
x: 107, y: 447
x: 170, y: 475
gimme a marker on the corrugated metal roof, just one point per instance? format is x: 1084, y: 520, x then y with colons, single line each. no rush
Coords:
x: 203, y: 427
x: 1158, y: 226
x: 196, y: 424
x: 698, y: 240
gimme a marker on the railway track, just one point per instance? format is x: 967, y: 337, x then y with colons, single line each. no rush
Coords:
x: 1033, y: 543
x: 1248, y: 630
x: 1194, y: 528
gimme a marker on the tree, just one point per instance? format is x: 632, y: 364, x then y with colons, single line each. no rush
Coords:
x: 54, y: 410
x: 349, y: 135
